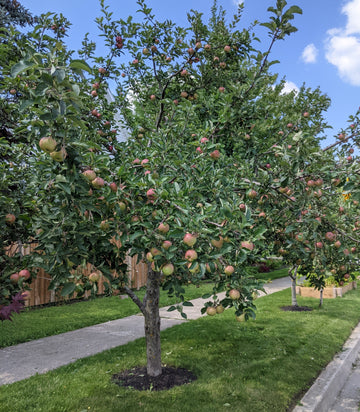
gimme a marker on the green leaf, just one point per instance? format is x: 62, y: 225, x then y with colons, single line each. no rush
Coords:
x: 60, y: 179
x: 135, y: 236
x: 25, y: 104
x: 41, y: 89
x: 206, y: 296
x: 68, y: 289
x: 295, y: 9
x: 171, y: 309
x: 65, y: 188
x: 20, y: 67
x: 183, y: 315
x: 80, y: 64
x: 187, y: 304
x: 60, y: 75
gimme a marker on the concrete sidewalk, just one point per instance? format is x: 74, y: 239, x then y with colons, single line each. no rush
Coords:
x: 337, y: 389
x: 21, y: 361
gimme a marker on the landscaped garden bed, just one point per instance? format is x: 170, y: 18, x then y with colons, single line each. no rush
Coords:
x: 329, y: 292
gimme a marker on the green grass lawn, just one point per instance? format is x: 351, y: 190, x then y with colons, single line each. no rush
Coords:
x: 262, y: 365
x: 276, y: 274
x: 47, y: 321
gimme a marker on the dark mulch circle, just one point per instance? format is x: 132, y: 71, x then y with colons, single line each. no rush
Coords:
x: 296, y: 308
x: 137, y: 378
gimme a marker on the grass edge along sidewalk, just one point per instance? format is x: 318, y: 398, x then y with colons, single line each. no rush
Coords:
x: 54, y: 351
x: 262, y: 365
x: 47, y: 321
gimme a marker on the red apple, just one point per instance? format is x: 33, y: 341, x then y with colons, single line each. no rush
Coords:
x: 113, y: 187
x: 191, y: 255
x: 94, y: 277
x: 151, y: 194
x: 89, y: 175
x: 247, y: 245
x: 215, y: 154
x: 24, y: 274
x: 234, y: 294
x: 211, y: 310
x: 98, y: 183
x: 229, y: 270
x: 163, y: 228
x: 166, y: 244
x: 168, y: 269
x: 227, y: 49
x: 14, y: 278
x: 252, y: 194
x: 10, y: 219
x: 47, y: 144
x: 189, y: 239
x: 330, y: 236
x: 220, y: 309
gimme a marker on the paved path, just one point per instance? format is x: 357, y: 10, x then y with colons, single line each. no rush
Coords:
x: 21, y: 361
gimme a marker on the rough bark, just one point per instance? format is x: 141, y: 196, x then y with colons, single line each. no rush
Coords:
x: 321, y: 296
x: 292, y: 274
x: 152, y: 324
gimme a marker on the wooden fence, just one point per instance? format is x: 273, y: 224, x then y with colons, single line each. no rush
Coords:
x: 39, y: 288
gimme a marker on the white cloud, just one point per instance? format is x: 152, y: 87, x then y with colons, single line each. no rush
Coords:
x: 352, y: 11
x: 289, y: 87
x: 309, y: 54
x: 343, y: 45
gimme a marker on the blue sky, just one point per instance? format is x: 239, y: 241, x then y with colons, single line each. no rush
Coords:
x: 325, y: 51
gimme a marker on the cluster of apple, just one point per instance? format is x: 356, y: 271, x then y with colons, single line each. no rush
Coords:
x: 19, y: 279
x: 215, y: 154
x: 119, y: 42
x: 49, y: 145
x: 55, y: 28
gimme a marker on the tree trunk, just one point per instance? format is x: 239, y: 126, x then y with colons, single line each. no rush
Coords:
x: 152, y: 324
x: 321, y: 296
x: 292, y: 274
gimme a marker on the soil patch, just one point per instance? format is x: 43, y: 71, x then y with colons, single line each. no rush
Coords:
x: 137, y: 378
x: 296, y: 308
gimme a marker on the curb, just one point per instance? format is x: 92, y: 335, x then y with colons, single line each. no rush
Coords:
x: 323, y: 393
